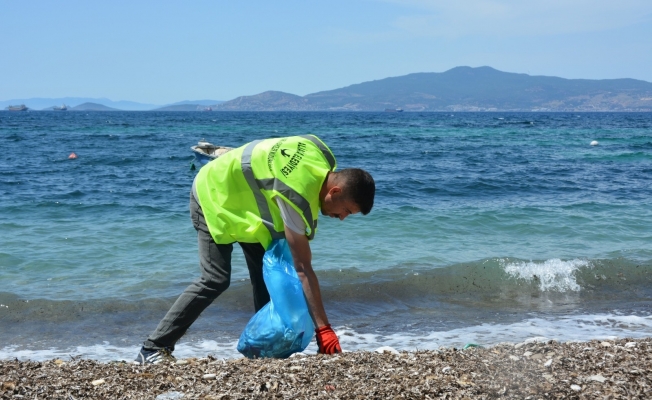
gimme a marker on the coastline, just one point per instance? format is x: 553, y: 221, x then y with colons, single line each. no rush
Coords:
x: 611, y: 369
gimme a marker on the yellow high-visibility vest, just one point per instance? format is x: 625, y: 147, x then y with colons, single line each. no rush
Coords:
x: 236, y: 191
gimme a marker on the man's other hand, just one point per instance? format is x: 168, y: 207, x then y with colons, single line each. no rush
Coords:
x: 327, y: 340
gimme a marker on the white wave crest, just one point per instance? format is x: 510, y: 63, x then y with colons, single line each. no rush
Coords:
x: 551, y: 275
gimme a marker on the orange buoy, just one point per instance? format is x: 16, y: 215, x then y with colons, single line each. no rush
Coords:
x: 72, y: 156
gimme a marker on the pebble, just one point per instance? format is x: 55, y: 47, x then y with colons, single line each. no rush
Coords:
x: 630, y: 344
x: 576, y: 388
x: 169, y: 396
x: 209, y: 376
x: 527, y: 354
x: 386, y: 349
x: 548, y: 363
x: 97, y: 382
x: 605, y: 344
x: 182, y: 362
x: 597, y: 378
x: 514, y: 358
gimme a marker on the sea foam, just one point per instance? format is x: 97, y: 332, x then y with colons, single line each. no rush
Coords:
x: 551, y: 275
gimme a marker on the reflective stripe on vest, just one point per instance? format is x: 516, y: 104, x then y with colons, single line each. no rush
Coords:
x: 261, y: 201
x: 327, y: 154
x: 297, y: 199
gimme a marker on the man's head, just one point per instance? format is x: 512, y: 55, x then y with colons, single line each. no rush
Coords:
x: 347, y: 192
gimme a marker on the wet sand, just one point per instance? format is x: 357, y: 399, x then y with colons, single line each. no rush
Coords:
x: 620, y: 369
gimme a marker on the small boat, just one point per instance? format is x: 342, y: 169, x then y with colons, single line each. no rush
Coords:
x: 393, y: 110
x: 63, y: 107
x: 205, y: 152
x: 17, y: 108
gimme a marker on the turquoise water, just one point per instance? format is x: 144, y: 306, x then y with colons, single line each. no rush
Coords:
x: 487, y: 227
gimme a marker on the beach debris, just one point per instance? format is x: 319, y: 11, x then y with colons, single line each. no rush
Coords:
x: 173, y: 395
x: 72, y: 156
x: 443, y: 373
x: 597, y: 378
x: 387, y: 349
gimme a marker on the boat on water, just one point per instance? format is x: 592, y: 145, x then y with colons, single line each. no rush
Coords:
x: 205, y: 152
x: 208, y: 108
x: 393, y: 110
x: 21, y: 107
x: 63, y: 107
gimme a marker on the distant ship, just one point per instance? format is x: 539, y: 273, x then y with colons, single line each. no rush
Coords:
x: 208, y: 108
x: 63, y: 107
x: 393, y: 110
x: 17, y: 108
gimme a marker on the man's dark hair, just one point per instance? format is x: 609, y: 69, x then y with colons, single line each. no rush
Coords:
x: 359, y: 186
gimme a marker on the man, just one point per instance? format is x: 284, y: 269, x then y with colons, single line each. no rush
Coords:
x: 264, y: 190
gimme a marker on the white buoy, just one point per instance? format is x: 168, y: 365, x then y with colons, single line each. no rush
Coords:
x: 594, y: 143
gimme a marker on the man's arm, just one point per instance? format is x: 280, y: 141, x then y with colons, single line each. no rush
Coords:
x: 302, y: 256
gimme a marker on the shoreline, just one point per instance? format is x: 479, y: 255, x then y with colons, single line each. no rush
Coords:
x: 620, y: 368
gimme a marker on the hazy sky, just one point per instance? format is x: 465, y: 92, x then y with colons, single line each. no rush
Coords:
x: 166, y: 51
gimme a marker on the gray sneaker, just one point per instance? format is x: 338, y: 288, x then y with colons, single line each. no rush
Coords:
x: 146, y: 356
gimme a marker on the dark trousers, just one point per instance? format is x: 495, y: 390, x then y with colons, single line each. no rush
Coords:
x: 215, y: 265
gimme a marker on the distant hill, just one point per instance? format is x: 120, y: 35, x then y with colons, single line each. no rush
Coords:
x: 267, y: 101
x: 180, y: 107
x: 463, y: 89
x: 92, y: 107
x: 43, y: 103
x: 197, y: 102
x: 190, y: 105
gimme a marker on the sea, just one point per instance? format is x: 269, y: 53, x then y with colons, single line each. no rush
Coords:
x: 487, y: 228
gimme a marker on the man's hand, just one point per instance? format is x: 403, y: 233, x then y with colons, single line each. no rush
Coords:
x: 327, y: 340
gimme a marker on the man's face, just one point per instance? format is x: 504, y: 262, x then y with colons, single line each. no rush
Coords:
x: 335, y: 205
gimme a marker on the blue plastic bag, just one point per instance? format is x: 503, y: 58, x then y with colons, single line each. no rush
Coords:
x: 283, y: 326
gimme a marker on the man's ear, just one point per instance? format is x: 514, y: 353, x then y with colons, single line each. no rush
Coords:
x: 335, y: 190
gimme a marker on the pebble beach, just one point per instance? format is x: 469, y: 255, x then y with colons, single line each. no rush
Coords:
x: 611, y: 369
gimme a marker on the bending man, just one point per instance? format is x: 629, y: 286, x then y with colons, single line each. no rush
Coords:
x: 264, y: 190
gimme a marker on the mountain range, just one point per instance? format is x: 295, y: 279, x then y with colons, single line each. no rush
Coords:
x: 103, y: 104
x: 458, y: 89
x: 462, y: 89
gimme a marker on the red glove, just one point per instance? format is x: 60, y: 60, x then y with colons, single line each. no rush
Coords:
x: 327, y: 340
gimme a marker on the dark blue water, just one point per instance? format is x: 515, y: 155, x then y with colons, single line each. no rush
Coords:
x: 486, y: 227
